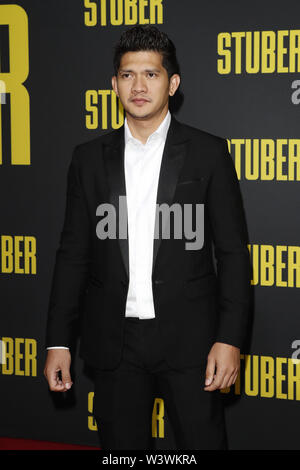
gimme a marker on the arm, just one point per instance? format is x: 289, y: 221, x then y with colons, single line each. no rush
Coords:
x: 71, y: 264
x: 229, y: 231
x: 69, y: 277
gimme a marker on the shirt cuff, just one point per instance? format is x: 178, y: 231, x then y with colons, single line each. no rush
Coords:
x: 58, y: 347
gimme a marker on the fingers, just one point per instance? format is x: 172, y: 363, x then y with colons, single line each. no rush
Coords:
x: 55, y: 384
x: 235, y: 375
x: 58, y: 361
x: 210, y: 370
x: 226, y: 380
x: 66, y: 378
x: 217, y: 381
x: 231, y: 380
x: 223, y: 378
x: 226, y: 359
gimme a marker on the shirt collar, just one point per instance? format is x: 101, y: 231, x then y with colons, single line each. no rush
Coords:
x: 160, y: 132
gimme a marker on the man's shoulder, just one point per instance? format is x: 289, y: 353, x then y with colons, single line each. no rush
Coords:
x: 88, y: 151
x: 208, y: 146
x: 98, y: 141
x: 197, y: 133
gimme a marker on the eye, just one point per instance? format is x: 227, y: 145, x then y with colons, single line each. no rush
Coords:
x: 124, y: 75
x: 152, y: 73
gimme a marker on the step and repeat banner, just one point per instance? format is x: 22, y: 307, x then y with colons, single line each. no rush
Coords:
x: 240, y: 79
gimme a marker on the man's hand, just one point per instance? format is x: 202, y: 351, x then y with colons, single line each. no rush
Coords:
x: 226, y: 359
x: 58, y: 360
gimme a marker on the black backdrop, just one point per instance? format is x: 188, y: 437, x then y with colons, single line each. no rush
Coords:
x: 240, y: 80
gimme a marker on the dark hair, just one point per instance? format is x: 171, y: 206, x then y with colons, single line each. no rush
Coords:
x: 147, y: 38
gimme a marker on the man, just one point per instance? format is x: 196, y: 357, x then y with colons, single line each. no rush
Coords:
x: 157, y: 319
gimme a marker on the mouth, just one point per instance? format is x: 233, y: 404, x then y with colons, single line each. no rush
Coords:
x: 139, y: 101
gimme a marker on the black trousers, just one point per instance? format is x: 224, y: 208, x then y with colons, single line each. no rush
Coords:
x: 124, y: 397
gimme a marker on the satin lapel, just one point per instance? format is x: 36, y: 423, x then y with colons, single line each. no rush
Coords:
x: 114, y: 163
x: 173, y: 157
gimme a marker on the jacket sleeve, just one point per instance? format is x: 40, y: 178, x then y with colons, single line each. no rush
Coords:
x: 71, y: 264
x: 229, y: 233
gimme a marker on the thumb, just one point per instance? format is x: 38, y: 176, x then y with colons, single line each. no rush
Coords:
x: 210, y: 370
x: 66, y: 377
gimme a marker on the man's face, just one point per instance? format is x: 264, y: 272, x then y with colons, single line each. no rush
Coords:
x: 142, y: 84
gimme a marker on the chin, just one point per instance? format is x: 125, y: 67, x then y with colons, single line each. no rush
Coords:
x: 141, y: 115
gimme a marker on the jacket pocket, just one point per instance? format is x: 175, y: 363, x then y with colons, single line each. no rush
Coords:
x: 198, y: 180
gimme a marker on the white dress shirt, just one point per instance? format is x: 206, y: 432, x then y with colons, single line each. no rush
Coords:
x: 142, y: 166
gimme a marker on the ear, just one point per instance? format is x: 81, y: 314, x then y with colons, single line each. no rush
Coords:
x: 115, y: 85
x: 174, y: 84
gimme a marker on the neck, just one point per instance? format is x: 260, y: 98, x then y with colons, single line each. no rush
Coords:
x: 141, y: 128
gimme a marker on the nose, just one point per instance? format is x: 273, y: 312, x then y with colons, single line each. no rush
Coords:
x: 139, y: 85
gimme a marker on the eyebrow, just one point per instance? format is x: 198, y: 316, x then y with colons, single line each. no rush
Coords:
x: 146, y: 70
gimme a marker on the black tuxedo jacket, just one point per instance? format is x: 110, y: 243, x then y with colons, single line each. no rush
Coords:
x: 195, y: 304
